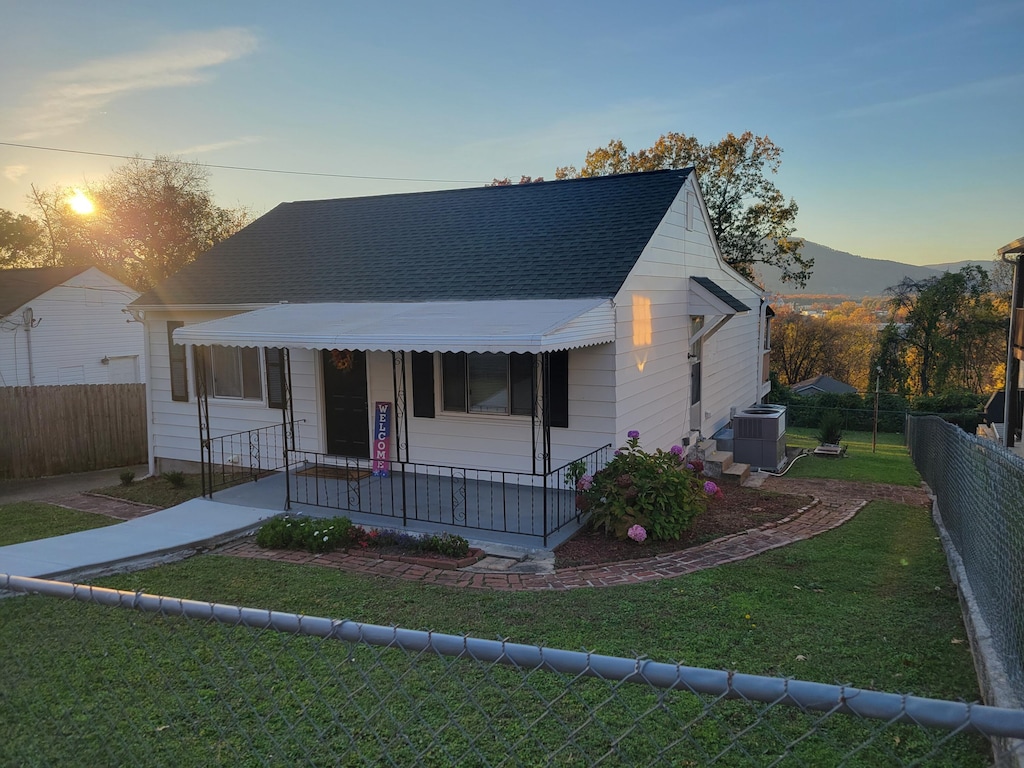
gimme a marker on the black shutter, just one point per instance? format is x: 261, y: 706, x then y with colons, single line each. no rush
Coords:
x: 274, y: 357
x: 423, y: 385
x: 558, y: 381
x: 520, y: 375
x: 453, y: 375
x: 176, y: 355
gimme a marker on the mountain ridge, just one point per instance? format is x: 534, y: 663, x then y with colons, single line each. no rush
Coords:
x: 839, y: 273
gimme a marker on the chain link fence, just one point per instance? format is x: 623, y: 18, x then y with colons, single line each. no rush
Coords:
x: 123, y: 678
x: 979, y: 488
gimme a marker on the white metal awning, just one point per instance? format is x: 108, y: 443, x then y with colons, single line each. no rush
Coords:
x: 536, y: 325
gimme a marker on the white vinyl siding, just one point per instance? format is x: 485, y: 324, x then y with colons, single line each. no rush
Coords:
x: 653, y: 380
x: 78, y: 325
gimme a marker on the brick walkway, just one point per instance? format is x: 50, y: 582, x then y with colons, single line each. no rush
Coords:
x: 835, y: 503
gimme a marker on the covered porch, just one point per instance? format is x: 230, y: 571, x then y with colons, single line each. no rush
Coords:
x: 532, y: 503
x: 512, y: 509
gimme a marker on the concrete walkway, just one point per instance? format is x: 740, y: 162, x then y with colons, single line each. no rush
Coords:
x: 163, y: 536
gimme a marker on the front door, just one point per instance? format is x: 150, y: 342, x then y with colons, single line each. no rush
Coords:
x: 345, y: 402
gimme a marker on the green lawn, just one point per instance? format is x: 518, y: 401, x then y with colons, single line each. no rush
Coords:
x: 890, y: 463
x: 29, y: 520
x: 869, y: 604
x: 156, y: 491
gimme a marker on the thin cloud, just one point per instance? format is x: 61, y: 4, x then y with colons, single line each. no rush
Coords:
x: 15, y: 172
x: 200, y: 149
x: 69, y: 98
x: 994, y: 85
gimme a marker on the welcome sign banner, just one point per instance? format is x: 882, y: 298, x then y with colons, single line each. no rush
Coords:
x: 381, y: 439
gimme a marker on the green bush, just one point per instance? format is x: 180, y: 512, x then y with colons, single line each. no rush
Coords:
x: 176, y: 479
x: 830, y: 429
x: 127, y: 478
x: 312, y: 534
x: 315, y: 534
x: 655, y: 491
x: 449, y: 545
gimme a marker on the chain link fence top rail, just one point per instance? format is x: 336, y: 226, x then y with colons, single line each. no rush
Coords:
x: 980, y: 491
x: 181, y: 682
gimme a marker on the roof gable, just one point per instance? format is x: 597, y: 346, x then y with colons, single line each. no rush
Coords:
x: 562, y: 239
x: 20, y: 286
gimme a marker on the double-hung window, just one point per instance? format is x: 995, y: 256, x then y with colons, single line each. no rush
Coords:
x: 488, y: 382
x: 233, y: 372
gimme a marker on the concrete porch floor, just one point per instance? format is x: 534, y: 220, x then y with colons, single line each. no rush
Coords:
x: 490, y: 515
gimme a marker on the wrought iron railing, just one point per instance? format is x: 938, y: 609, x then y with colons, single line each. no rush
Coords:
x: 243, y: 456
x: 536, y: 505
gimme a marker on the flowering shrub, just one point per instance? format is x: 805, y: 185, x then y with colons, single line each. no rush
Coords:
x: 325, y: 535
x: 313, y: 534
x: 640, y: 495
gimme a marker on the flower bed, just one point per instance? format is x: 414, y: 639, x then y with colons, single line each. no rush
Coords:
x: 319, y: 535
x: 640, y: 495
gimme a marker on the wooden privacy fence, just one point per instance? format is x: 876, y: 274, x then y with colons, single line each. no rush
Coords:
x: 76, y: 428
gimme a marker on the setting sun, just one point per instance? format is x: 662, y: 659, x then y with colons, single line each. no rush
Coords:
x: 80, y: 203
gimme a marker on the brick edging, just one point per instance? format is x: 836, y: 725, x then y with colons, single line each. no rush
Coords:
x: 818, y: 517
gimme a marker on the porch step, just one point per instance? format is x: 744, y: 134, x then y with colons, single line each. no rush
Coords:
x: 716, y: 463
x: 705, y: 447
x: 737, y: 474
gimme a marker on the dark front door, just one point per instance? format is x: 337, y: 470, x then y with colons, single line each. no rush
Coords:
x: 345, y: 401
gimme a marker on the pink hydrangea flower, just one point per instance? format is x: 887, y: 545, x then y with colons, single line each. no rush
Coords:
x: 633, y: 434
x: 711, y: 489
x: 677, y: 450
x: 585, y: 483
x: 637, y: 533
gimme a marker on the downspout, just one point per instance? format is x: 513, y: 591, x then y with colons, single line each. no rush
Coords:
x: 138, y: 316
x: 27, y: 322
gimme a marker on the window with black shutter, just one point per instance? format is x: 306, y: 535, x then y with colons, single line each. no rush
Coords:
x: 176, y: 355
x: 488, y: 382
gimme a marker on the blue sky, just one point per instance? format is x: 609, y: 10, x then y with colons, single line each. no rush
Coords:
x: 901, y: 121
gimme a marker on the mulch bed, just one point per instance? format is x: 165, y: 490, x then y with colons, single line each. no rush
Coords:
x: 739, y: 510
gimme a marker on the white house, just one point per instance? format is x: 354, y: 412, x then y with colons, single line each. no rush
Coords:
x: 67, y: 325
x: 507, y: 330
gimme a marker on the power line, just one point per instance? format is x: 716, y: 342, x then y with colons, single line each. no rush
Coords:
x: 244, y: 168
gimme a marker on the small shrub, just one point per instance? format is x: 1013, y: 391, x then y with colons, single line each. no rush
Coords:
x: 448, y: 545
x: 127, y: 478
x: 656, y: 491
x: 316, y: 535
x: 176, y: 479
x: 308, y: 533
x: 830, y: 429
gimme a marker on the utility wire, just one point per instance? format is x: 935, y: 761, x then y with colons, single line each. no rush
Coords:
x: 242, y: 167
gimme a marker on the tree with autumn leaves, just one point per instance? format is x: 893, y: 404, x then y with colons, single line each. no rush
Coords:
x: 751, y: 219
x: 150, y: 219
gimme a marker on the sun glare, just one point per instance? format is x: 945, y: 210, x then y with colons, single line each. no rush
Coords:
x: 80, y: 203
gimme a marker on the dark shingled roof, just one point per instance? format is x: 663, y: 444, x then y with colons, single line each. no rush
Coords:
x: 557, y: 239
x: 20, y: 286
x: 823, y: 383
x: 720, y: 292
